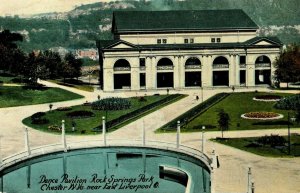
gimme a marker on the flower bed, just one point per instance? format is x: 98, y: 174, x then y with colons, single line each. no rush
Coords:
x: 262, y: 115
x: 267, y: 98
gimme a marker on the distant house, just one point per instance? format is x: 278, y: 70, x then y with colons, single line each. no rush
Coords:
x: 87, y: 53
x: 183, y: 49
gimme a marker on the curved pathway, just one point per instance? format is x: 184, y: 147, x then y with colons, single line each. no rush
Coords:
x: 272, y: 175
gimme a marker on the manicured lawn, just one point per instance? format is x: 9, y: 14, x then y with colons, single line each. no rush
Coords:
x: 237, y: 104
x: 75, y: 84
x: 19, y: 96
x: 88, y: 125
x: 246, y: 145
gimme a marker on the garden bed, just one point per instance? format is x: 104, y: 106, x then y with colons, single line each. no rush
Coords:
x: 262, y: 115
x: 267, y: 98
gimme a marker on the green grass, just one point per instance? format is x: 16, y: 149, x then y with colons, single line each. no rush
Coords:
x: 88, y: 124
x: 75, y: 84
x: 241, y: 143
x: 19, y: 96
x: 235, y: 105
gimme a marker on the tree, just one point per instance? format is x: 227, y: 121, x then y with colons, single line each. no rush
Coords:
x: 10, y: 55
x: 35, y: 68
x: 52, y: 62
x: 223, y: 121
x: 288, y: 65
x: 8, y: 39
x: 71, y: 67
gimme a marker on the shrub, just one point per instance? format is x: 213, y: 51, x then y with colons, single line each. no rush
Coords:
x: 37, y: 118
x: 111, y: 104
x: 273, y: 140
x: 142, y: 99
x: 289, y: 103
x: 64, y: 108
x: 38, y: 115
x: 80, y: 114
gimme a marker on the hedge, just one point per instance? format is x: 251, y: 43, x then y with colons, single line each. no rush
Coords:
x: 111, y: 104
x: 123, y: 118
x: 194, y: 112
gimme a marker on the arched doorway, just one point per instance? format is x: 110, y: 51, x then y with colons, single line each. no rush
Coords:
x: 192, y: 72
x: 122, y: 77
x: 220, y: 71
x: 165, y: 77
x: 262, y: 70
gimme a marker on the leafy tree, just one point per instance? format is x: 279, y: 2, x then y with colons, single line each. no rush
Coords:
x: 10, y: 55
x: 35, y: 68
x: 72, y: 67
x: 223, y: 121
x: 52, y: 62
x: 8, y: 39
x: 288, y: 65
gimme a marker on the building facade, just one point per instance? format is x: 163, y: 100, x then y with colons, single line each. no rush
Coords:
x: 185, y: 49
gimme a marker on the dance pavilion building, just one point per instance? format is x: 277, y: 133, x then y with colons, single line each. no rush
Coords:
x: 185, y: 49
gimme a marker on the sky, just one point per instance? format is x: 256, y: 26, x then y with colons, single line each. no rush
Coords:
x: 25, y: 7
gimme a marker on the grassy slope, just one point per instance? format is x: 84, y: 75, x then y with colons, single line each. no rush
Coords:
x: 18, y: 96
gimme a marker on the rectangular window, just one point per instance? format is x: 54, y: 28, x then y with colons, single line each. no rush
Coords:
x: 142, y: 62
x: 164, y: 41
x: 242, y: 59
x: 218, y: 40
x: 186, y: 41
x: 192, y: 40
x: 159, y: 41
x: 213, y: 40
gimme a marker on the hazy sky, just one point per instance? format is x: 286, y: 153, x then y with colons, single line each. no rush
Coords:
x: 19, y: 7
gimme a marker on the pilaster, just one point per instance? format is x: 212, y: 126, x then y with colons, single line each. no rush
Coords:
x: 207, y: 71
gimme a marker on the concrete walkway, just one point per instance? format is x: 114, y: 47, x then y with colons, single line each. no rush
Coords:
x: 272, y: 175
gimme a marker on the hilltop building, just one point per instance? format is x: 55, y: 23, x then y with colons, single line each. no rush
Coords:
x: 183, y: 49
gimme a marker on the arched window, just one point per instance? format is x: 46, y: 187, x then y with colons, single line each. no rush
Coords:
x: 262, y: 61
x: 121, y: 65
x: 193, y: 63
x: 165, y: 64
x: 220, y: 62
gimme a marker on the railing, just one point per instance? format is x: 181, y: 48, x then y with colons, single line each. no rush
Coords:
x: 215, y: 66
x: 242, y: 65
x: 121, y: 68
x: 192, y: 66
x: 13, y: 159
x: 165, y: 67
x: 142, y: 68
x: 262, y: 65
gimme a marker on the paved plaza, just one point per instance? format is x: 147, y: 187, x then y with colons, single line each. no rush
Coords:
x: 271, y: 175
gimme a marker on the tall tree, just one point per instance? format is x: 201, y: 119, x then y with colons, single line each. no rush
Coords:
x: 10, y: 55
x: 223, y: 120
x: 288, y: 65
x: 74, y: 66
x: 8, y: 39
